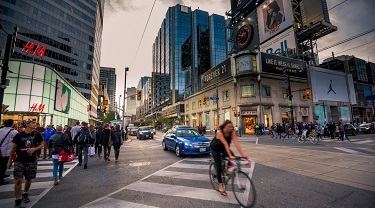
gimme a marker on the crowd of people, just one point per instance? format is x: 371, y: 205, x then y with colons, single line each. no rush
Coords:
x: 22, y: 149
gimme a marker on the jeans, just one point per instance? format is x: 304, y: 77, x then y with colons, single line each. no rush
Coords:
x: 107, y: 151
x: 116, y: 148
x: 59, y: 166
x: 85, y: 149
x: 217, y: 158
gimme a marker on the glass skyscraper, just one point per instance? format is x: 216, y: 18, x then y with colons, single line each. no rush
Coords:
x: 71, y: 30
x: 108, y: 78
x: 188, y: 44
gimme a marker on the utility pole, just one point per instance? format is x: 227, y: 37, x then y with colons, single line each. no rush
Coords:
x: 217, y: 104
x: 119, y: 106
x: 123, y: 108
x: 286, y: 75
x: 9, y: 49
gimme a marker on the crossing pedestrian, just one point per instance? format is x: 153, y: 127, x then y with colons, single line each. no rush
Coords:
x: 83, y: 139
x: 240, y: 130
x: 68, y: 132
x: 47, y: 135
x: 106, y: 141
x: 98, y: 141
x: 25, y: 145
x: 58, y: 142
x: 41, y: 130
x: 6, y: 137
x: 117, y: 140
x: 92, y: 151
x: 75, y: 130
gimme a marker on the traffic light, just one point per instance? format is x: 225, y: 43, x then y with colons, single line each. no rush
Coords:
x: 235, y: 113
x: 4, y: 109
x: 104, y: 109
x: 204, y: 100
x: 285, y: 76
x: 308, y: 94
x: 139, y: 95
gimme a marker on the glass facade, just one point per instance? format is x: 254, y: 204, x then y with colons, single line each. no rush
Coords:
x: 32, y: 93
x: 218, y: 39
x: 71, y: 31
x: 108, y: 78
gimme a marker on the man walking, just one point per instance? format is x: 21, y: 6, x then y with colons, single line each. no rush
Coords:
x: 58, y: 142
x: 83, y: 138
x: 47, y: 135
x: 25, y: 145
x: 6, y: 137
x: 74, y: 131
x: 240, y: 130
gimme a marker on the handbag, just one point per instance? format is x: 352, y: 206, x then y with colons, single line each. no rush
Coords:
x: 4, y: 140
x: 66, y: 156
x: 91, y: 150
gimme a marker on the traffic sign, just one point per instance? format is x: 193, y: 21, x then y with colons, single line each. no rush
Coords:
x: 214, y: 98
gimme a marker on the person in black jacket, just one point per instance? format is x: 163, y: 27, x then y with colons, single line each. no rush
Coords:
x: 106, y: 141
x: 98, y: 141
x: 58, y: 142
x: 117, y: 140
x: 84, y: 140
x: 69, y: 133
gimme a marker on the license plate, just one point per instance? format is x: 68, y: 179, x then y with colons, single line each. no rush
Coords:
x: 202, y: 149
x: 146, y: 135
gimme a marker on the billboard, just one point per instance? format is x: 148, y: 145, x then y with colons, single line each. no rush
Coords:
x: 273, y: 64
x: 329, y: 85
x: 314, y: 11
x: 62, y: 97
x: 245, y: 34
x: 217, y: 74
x: 283, y: 44
x: 274, y: 16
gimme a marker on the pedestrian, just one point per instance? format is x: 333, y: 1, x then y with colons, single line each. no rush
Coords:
x: 236, y: 130
x: 117, y: 140
x: 75, y: 130
x: 6, y: 137
x: 68, y: 132
x: 106, y: 141
x: 263, y: 129
x: 257, y: 129
x: 83, y: 139
x: 47, y: 135
x: 273, y: 133
x: 58, y: 142
x: 98, y: 141
x: 200, y: 129
x: 92, y: 151
x: 41, y: 130
x: 319, y: 131
x: 240, y: 130
x: 25, y: 145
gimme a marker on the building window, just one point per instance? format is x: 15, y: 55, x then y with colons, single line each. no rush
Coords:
x: 285, y: 93
x: 199, y: 103
x: 226, y: 95
x: 247, y: 91
x: 302, y: 95
x: 266, y: 91
x: 187, y: 107
x: 227, y: 114
x: 208, y: 101
x: 193, y: 105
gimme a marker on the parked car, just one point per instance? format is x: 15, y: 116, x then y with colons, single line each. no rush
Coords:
x: 186, y: 141
x: 367, y: 128
x: 133, y: 131
x: 144, y: 132
x: 349, y: 129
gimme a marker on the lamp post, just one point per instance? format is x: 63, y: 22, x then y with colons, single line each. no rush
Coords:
x: 118, y: 106
x: 123, y: 108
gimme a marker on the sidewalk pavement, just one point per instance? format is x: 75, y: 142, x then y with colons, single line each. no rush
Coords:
x: 351, y: 170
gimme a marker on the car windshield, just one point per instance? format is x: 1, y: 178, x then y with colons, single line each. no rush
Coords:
x: 188, y: 133
x: 364, y: 125
x: 144, y: 128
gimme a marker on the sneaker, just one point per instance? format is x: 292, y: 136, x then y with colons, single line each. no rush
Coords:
x: 56, y: 183
x: 116, y: 161
x: 85, y: 167
x: 18, y: 203
x: 25, y: 198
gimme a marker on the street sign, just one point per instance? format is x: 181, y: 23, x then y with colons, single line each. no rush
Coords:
x: 289, y: 103
x: 214, y: 98
x: 287, y: 110
x: 116, y: 113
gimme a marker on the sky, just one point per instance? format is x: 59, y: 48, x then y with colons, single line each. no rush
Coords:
x: 124, y: 22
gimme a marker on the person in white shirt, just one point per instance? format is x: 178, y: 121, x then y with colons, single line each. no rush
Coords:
x: 6, y: 137
x: 74, y: 131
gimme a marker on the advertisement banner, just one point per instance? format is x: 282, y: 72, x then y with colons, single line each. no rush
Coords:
x: 273, y: 64
x: 245, y: 34
x: 314, y: 11
x: 62, y: 98
x: 328, y: 85
x: 216, y: 74
x: 274, y: 16
x: 283, y: 44
x: 246, y: 64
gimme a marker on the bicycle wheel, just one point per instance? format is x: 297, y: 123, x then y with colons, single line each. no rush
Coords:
x: 313, y: 140
x: 243, y: 189
x: 213, y: 176
x: 301, y: 139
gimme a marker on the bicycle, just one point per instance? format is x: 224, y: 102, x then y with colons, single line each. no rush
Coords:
x: 242, y: 186
x: 311, y: 137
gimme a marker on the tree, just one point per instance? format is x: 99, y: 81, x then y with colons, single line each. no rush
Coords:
x: 165, y: 120
x: 108, y: 117
x: 136, y: 123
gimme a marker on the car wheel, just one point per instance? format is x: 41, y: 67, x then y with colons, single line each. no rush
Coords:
x: 178, y: 150
x: 165, y: 148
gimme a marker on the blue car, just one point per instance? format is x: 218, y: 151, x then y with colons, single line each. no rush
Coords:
x: 186, y: 141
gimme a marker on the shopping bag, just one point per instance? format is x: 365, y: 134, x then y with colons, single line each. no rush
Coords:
x: 91, y: 151
x: 71, y: 156
x: 63, y: 156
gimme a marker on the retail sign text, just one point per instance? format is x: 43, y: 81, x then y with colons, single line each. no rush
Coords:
x: 39, y: 51
x: 36, y: 107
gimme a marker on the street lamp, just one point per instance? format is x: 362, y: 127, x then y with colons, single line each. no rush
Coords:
x: 123, y: 108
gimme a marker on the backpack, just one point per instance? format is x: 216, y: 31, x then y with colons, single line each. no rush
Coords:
x: 116, y: 137
x: 84, y: 137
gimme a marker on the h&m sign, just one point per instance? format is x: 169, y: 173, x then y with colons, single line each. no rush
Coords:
x: 39, y: 50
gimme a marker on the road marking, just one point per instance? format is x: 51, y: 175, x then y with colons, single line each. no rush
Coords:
x: 201, y: 167
x: 348, y: 150
x: 111, y: 202
x: 366, y: 149
x: 44, y: 167
x: 183, y: 175
x: 181, y: 191
x: 34, y: 185
x: 365, y: 142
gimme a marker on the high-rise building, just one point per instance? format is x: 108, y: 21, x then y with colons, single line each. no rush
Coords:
x: 131, y: 101
x: 71, y: 32
x: 188, y: 44
x: 108, y: 78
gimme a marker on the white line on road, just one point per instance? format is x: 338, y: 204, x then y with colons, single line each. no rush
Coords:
x: 111, y: 202
x: 366, y: 149
x: 348, y: 150
x: 365, y: 142
x: 201, y: 167
x: 183, y: 175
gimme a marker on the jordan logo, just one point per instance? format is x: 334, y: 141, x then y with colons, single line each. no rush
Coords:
x: 330, y: 88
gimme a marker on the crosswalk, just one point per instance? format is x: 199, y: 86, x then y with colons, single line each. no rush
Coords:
x: 185, y: 183
x: 356, y: 150
x: 143, y: 144
x: 39, y: 187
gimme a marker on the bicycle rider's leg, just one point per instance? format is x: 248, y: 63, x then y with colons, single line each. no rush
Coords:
x: 217, y: 159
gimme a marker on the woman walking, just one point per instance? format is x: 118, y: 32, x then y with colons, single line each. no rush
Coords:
x: 69, y: 134
x: 106, y: 141
x: 117, y: 140
x: 58, y: 142
x: 92, y: 151
x: 98, y: 141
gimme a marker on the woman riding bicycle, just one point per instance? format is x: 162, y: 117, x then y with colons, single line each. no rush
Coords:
x: 220, y: 145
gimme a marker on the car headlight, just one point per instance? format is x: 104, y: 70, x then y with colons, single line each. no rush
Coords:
x: 140, y: 132
x: 188, y: 144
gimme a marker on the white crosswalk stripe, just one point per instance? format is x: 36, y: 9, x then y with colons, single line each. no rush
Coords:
x: 193, y: 184
x: 356, y: 150
x: 39, y: 187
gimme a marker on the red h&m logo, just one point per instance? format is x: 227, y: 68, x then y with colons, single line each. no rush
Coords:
x: 37, y: 108
x: 39, y: 51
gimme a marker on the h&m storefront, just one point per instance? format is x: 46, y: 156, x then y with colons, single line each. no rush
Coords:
x: 39, y: 92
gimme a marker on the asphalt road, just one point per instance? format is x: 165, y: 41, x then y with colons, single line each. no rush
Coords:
x: 147, y: 176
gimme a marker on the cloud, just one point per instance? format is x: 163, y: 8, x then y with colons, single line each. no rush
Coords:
x: 120, y: 6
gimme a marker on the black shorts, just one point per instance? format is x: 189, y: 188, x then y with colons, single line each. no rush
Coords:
x: 27, y: 170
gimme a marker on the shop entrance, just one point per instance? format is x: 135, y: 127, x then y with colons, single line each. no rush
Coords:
x: 249, y: 123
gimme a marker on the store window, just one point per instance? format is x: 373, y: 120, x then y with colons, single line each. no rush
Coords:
x: 208, y: 120
x: 267, y: 116
x: 227, y: 113
x: 187, y: 106
x: 193, y: 105
x: 199, y: 103
x: 266, y: 91
x: 226, y: 95
x: 247, y: 91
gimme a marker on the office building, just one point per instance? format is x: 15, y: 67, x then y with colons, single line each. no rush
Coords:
x: 131, y: 101
x: 108, y: 78
x: 71, y: 33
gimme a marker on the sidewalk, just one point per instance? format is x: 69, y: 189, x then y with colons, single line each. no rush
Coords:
x: 351, y: 170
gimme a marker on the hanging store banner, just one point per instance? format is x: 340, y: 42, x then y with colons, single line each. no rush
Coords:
x: 62, y: 99
x: 273, y: 64
x: 216, y: 74
x: 283, y: 44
